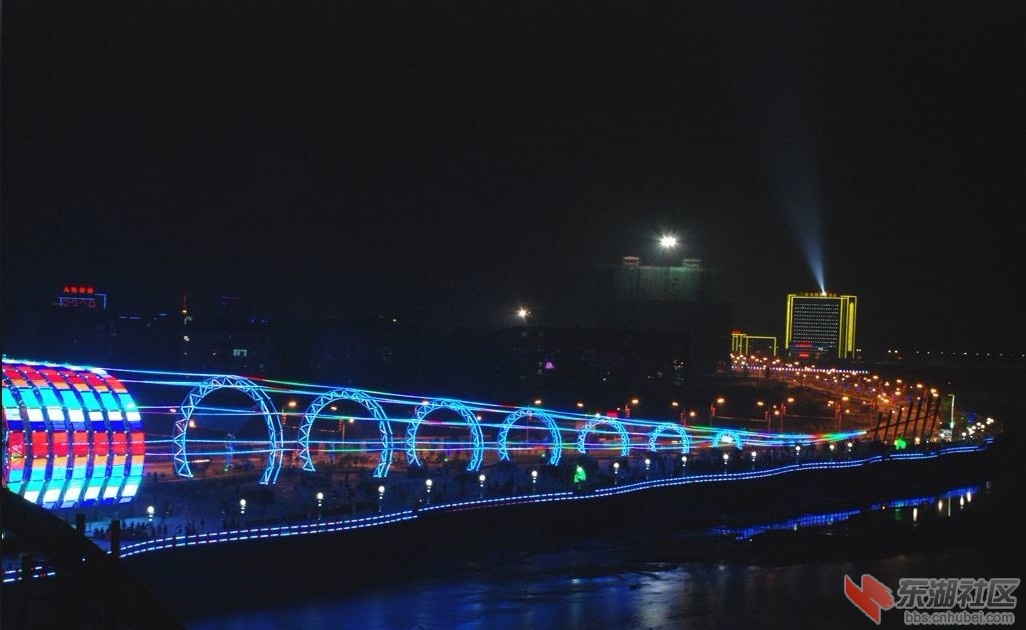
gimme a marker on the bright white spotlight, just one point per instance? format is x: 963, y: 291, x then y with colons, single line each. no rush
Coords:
x: 668, y: 241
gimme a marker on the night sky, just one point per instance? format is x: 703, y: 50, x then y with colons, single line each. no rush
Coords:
x: 454, y: 160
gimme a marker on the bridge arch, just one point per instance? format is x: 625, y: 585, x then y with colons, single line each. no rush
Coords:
x: 672, y: 427
x: 511, y: 419
x: 464, y: 412
x: 367, y: 402
x: 625, y: 440
x: 257, y: 395
x: 728, y: 437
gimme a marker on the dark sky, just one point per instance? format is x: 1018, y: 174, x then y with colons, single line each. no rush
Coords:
x: 461, y: 158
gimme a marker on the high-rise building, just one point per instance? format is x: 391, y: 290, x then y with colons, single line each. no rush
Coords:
x: 820, y: 326
x: 679, y: 302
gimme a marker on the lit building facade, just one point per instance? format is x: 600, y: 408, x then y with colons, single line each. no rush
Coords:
x: 820, y: 326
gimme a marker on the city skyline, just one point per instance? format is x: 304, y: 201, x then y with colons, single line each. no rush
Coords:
x: 460, y: 162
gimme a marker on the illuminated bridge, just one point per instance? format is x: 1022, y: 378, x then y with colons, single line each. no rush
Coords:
x: 77, y: 437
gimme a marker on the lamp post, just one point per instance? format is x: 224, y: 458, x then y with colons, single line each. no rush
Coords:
x: 683, y: 465
x: 427, y: 491
x: 648, y: 464
x: 616, y: 472
x: 797, y: 453
x: 381, y: 497
x: 951, y: 420
x: 850, y: 445
x: 627, y: 407
x: 753, y: 460
x: 149, y: 513
x: 534, y: 481
x: 242, y: 511
x: 480, y: 481
x: 712, y: 407
x: 320, y: 502
x: 726, y: 460
x: 344, y: 423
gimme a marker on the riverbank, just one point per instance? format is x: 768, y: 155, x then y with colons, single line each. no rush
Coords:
x: 662, y: 525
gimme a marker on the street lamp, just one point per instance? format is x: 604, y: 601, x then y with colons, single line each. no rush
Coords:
x: 534, y: 480
x: 627, y: 407
x: 149, y: 513
x: 343, y: 425
x: 427, y: 488
x: 797, y: 452
x: 381, y: 497
x: 648, y: 463
x: 616, y: 472
x: 480, y: 481
x: 726, y: 459
x: 712, y: 407
x: 320, y: 502
x: 683, y: 465
x: 951, y: 421
x: 242, y: 511
x: 753, y: 460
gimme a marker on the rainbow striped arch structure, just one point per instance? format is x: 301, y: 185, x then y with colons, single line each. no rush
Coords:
x: 428, y: 407
x: 625, y: 440
x: 72, y: 435
x: 557, y: 442
x: 275, y: 448
x: 368, y: 403
x: 670, y: 427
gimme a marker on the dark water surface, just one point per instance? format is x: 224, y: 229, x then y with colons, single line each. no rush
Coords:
x: 751, y: 575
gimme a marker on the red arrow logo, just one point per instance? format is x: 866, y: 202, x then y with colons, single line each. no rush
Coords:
x: 871, y: 597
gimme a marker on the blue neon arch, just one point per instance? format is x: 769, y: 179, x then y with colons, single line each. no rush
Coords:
x: 729, y: 437
x: 257, y: 394
x: 368, y: 403
x: 511, y: 419
x: 475, y: 429
x: 625, y: 440
x: 685, y: 441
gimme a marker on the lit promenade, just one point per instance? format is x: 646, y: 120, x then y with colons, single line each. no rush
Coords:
x: 417, y: 501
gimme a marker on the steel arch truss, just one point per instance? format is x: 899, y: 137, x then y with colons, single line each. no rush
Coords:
x: 670, y: 427
x: 360, y: 397
x: 625, y: 440
x: 274, y: 432
x: 557, y: 441
x: 434, y: 405
x: 727, y: 437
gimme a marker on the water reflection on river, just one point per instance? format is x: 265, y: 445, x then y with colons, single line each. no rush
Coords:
x: 646, y: 585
